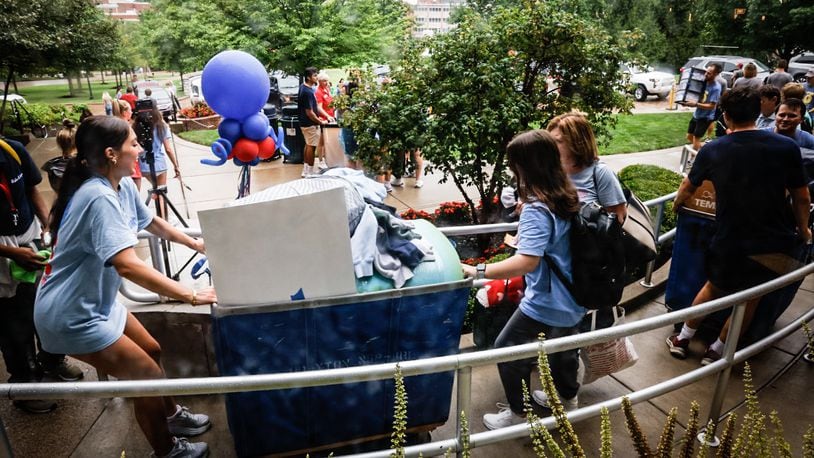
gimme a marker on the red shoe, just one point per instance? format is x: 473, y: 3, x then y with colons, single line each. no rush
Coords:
x: 710, y: 357
x: 678, y: 348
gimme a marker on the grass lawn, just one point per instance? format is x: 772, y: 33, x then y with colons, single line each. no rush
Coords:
x: 201, y: 137
x: 58, y: 93
x: 647, y: 132
x: 633, y: 133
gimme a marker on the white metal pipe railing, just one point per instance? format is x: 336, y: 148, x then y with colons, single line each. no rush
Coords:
x: 461, y: 363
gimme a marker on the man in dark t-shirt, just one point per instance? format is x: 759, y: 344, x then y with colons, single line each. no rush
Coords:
x: 21, y: 206
x: 309, y: 121
x: 752, y: 170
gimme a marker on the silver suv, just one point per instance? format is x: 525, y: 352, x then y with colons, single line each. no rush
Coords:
x: 729, y: 65
x: 800, y: 64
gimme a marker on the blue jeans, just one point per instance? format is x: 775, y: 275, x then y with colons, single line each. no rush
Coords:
x: 521, y: 329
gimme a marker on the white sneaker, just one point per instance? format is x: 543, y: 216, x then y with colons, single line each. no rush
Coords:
x: 419, y: 184
x: 388, y: 186
x: 186, y: 423
x: 307, y: 170
x: 182, y: 448
x: 397, y: 182
x: 542, y: 399
x: 322, y: 165
x: 503, y: 418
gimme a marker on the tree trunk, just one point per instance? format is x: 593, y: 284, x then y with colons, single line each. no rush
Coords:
x: 103, y: 76
x: 181, y: 73
x: 70, y: 84
x: 14, y: 82
x: 90, y: 88
x: 5, y: 94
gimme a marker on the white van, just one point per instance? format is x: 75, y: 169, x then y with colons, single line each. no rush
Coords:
x: 192, y: 87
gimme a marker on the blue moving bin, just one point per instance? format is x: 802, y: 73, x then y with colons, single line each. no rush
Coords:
x: 370, y: 328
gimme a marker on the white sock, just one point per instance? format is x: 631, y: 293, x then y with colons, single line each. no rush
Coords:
x: 177, y: 411
x: 717, y: 346
x: 687, y: 333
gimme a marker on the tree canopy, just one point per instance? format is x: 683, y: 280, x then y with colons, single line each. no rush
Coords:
x: 482, y: 83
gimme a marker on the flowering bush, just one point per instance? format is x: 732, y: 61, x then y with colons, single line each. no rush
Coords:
x: 199, y: 110
x: 455, y: 213
x: 417, y: 214
x: 490, y: 255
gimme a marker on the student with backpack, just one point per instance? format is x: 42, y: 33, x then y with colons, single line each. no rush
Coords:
x: 547, y: 306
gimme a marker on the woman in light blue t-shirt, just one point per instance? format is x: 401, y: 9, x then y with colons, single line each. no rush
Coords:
x: 550, y: 200
x: 94, y: 224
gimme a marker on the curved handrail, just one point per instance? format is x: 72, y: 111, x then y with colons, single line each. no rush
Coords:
x: 461, y: 362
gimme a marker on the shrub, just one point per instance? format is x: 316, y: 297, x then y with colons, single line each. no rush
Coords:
x: 649, y: 182
x: 41, y: 114
x: 199, y: 110
x: 411, y: 214
x: 453, y: 214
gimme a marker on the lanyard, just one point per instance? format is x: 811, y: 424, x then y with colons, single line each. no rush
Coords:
x: 5, y: 186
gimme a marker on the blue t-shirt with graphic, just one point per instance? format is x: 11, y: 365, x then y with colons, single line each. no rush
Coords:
x: 546, y: 299
x: 712, y: 93
x: 76, y: 310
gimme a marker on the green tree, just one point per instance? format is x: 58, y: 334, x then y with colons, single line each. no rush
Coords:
x: 764, y: 29
x: 487, y: 80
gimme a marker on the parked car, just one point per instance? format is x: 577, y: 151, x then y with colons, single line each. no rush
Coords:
x: 288, y: 85
x: 644, y: 81
x: 11, y: 98
x: 729, y: 65
x: 800, y: 64
x: 192, y: 87
x: 162, y: 98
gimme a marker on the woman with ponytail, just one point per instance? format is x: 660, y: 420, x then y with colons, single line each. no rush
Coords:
x: 94, y: 224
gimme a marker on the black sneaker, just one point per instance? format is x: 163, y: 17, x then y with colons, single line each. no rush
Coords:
x: 64, y: 371
x: 678, y: 348
x: 35, y: 405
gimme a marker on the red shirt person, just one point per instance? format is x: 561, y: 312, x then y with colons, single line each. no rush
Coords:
x: 130, y: 98
x: 324, y: 98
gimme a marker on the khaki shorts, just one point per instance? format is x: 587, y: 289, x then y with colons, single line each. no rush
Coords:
x: 311, y: 134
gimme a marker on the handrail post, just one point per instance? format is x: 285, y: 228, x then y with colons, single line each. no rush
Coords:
x: 647, y: 282
x: 464, y: 397
x: 5, y: 444
x: 731, y: 344
x: 156, y: 255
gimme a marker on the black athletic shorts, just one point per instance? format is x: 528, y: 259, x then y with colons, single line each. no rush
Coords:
x: 698, y: 127
x: 733, y: 273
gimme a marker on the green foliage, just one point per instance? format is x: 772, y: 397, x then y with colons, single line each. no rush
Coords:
x: 809, y: 340
x: 483, y: 83
x: 649, y: 182
x: 808, y: 443
x: 725, y: 449
x: 709, y: 436
x: 690, y: 432
x: 40, y: 114
x: 779, y: 443
x: 567, y: 434
x: 465, y: 449
x: 665, y: 447
x: 541, y: 438
x: 398, y: 438
x: 606, y: 436
x: 752, y: 437
x: 635, y: 431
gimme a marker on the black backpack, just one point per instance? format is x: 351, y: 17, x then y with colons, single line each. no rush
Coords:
x: 597, y: 258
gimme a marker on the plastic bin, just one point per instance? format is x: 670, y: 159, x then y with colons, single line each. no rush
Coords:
x: 294, y: 140
x: 362, y: 329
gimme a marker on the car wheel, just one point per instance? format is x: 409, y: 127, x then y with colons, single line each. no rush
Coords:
x: 640, y: 93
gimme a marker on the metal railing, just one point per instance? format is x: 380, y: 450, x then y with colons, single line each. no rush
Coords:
x: 462, y: 364
x: 157, y: 256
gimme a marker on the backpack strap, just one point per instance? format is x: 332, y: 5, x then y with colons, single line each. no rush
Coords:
x: 561, y: 276
x: 8, y: 149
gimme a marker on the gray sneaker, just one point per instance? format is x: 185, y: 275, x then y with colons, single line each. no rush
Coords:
x: 186, y: 423
x: 183, y: 448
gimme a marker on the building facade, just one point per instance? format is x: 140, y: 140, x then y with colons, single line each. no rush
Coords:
x: 432, y: 16
x: 123, y: 10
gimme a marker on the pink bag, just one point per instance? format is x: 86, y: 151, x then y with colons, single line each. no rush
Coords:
x: 607, y: 358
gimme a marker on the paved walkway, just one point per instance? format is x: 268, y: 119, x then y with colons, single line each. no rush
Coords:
x: 105, y: 427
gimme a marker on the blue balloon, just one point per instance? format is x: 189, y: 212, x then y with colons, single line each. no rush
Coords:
x: 235, y: 84
x: 281, y: 142
x: 256, y: 127
x: 229, y: 129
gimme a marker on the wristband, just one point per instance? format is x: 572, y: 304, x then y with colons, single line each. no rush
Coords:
x: 194, y: 298
x: 481, y: 271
